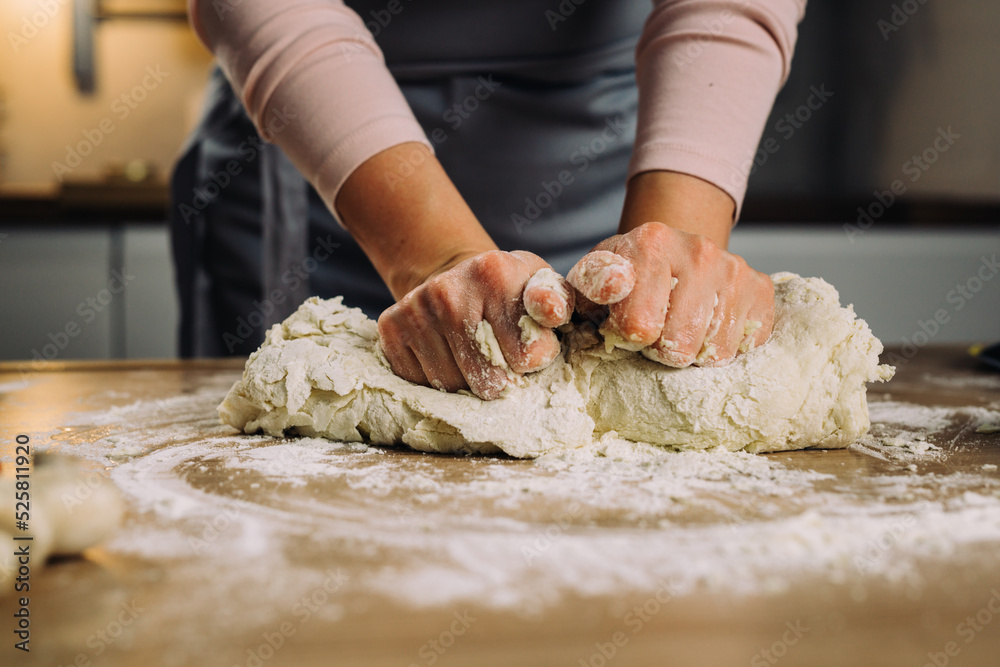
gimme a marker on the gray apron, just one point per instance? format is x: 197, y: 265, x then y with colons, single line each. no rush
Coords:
x: 531, y: 113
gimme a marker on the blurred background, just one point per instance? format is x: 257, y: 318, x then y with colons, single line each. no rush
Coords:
x: 879, y: 169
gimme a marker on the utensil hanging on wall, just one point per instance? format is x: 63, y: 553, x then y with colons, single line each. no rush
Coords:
x: 86, y: 16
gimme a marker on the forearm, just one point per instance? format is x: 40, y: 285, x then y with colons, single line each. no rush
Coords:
x: 708, y: 72
x: 412, y: 225
x: 680, y: 201
x: 313, y: 81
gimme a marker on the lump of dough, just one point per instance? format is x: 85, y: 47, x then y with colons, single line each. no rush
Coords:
x: 320, y: 373
x: 804, y: 388
x: 83, y: 507
x: 71, y: 509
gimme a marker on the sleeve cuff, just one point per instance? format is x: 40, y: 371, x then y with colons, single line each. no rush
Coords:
x: 360, y: 146
x: 691, y: 160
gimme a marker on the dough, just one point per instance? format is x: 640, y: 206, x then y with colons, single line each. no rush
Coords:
x: 71, y: 509
x: 320, y: 373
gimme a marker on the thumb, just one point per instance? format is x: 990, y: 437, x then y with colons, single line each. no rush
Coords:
x: 603, y: 277
x: 548, y: 299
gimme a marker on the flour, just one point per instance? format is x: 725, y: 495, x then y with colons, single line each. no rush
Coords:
x: 488, y: 344
x: 13, y: 386
x: 719, y: 521
x: 983, y: 381
x: 319, y: 373
x: 530, y: 330
x: 899, y: 431
x: 608, y: 518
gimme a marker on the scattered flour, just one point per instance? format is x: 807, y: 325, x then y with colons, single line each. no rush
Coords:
x: 910, y: 434
x: 610, y: 518
x: 13, y: 386
x: 982, y: 381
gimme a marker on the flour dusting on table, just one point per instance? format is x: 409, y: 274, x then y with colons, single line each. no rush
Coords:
x: 610, y: 518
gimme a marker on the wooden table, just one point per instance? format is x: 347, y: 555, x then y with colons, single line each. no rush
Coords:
x: 175, y: 588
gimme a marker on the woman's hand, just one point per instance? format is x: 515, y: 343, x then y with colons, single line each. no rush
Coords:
x: 461, y: 317
x: 467, y: 325
x: 679, y: 297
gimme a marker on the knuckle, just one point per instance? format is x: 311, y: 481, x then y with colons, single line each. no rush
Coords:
x: 390, y: 329
x: 735, y: 270
x: 491, y: 267
x: 609, y: 243
x: 703, y: 251
x: 653, y: 230
x: 654, y: 236
x: 386, y: 328
x: 444, y: 300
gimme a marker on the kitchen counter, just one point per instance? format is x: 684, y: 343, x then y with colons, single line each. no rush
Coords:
x: 257, y: 551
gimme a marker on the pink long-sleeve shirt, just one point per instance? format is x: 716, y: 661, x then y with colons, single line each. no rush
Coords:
x: 707, y: 72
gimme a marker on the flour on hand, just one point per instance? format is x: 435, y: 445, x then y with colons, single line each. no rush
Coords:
x: 320, y: 373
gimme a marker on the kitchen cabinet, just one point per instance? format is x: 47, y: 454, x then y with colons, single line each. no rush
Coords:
x: 86, y: 292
